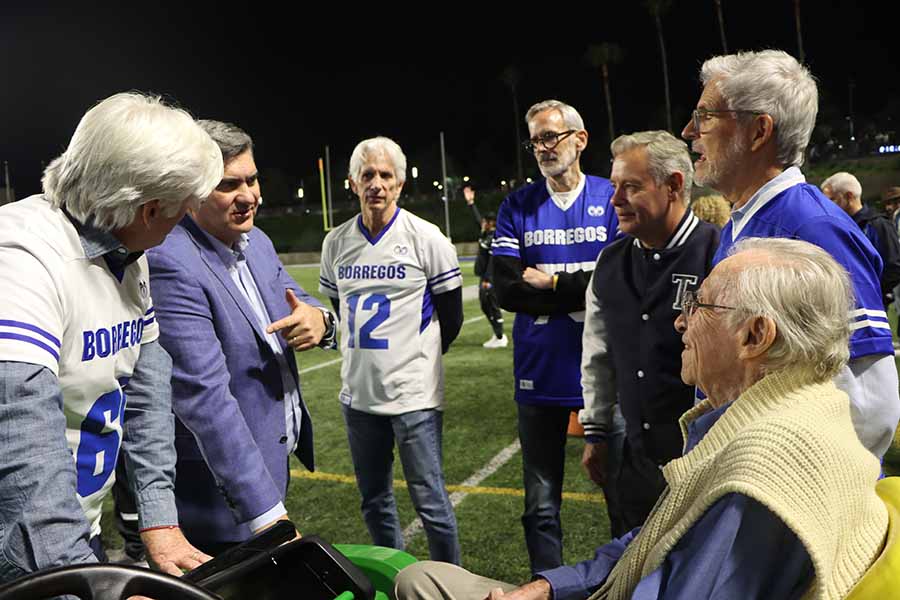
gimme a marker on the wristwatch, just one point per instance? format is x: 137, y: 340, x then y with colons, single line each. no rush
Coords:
x: 328, y: 337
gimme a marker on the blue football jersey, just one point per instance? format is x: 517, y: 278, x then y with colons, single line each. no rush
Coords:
x: 532, y: 228
x: 788, y: 207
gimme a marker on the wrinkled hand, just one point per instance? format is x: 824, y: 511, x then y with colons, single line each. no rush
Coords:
x: 594, y: 461
x: 536, y: 590
x: 283, y: 517
x: 169, y: 551
x: 469, y: 195
x: 303, y: 328
x: 537, y: 279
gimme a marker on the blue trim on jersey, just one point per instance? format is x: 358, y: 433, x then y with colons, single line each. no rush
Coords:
x: 30, y: 327
x: 454, y: 271
x: 30, y: 340
x: 149, y: 310
x: 365, y: 232
x: 327, y: 283
x: 450, y: 275
x: 427, y: 309
x: 149, y: 321
x: 803, y: 212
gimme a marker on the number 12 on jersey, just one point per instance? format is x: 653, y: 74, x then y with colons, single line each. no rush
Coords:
x: 369, y: 302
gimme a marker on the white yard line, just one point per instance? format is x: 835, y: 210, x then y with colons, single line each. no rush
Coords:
x: 320, y: 366
x: 474, y: 480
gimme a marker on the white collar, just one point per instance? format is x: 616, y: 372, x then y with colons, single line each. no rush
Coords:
x: 566, y: 199
x: 787, y: 179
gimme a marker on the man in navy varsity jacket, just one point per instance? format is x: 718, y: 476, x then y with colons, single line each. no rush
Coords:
x: 751, y: 128
x: 631, y: 352
x: 548, y: 236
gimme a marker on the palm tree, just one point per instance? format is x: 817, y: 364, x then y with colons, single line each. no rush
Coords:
x: 603, y: 55
x: 721, y: 25
x: 511, y: 77
x: 799, y: 34
x: 657, y: 8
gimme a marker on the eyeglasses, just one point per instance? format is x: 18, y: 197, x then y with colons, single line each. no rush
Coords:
x: 690, y: 304
x: 700, y: 115
x: 548, y: 140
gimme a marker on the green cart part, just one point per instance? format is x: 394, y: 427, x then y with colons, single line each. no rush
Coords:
x: 380, y: 565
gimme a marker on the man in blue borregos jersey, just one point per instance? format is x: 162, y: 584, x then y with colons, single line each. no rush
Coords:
x: 548, y: 237
x: 751, y: 128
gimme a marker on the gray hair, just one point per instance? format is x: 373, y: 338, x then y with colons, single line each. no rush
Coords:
x: 378, y: 146
x: 843, y: 182
x: 666, y: 154
x: 808, y: 295
x: 231, y: 139
x: 774, y: 83
x: 570, y: 116
x: 127, y: 150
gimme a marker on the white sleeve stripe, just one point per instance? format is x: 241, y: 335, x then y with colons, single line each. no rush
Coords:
x: 32, y: 328
x: 867, y: 312
x: 499, y: 238
x: 867, y: 323
x: 29, y: 340
x: 504, y: 245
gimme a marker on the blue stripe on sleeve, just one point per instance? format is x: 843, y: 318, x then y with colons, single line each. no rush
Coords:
x: 451, y: 271
x: 327, y: 283
x: 24, y: 338
x: 447, y: 278
x: 149, y: 321
x: 29, y: 327
x: 149, y: 310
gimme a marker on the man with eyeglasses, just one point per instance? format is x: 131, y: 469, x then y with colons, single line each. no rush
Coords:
x: 751, y: 128
x: 548, y: 236
x: 631, y: 354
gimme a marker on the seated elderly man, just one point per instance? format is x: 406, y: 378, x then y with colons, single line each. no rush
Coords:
x: 774, y: 496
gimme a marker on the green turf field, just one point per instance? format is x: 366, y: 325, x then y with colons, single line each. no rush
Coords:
x: 479, y: 423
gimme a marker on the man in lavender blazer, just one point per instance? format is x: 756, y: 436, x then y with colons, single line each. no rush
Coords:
x: 231, y: 318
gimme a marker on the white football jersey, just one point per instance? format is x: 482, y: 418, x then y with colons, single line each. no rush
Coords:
x: 74, y: 316
x: 390, y: 334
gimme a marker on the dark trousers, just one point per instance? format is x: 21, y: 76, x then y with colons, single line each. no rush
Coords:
x: 638, y: 485
x: 126, y: 518
x: 491, y: 307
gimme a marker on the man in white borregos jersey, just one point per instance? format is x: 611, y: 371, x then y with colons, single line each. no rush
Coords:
x: 82, y: 374
x: 395, y: 280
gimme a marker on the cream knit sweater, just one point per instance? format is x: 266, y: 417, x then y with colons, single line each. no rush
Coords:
x: 789, y: 444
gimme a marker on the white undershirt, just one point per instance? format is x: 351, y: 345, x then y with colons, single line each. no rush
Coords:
x: 565, y: 199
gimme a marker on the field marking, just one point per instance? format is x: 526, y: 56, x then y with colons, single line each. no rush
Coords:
x: 328, y: 363
x: 474, y: 490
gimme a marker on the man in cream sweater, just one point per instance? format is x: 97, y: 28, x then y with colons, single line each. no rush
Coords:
x: 774, y: 496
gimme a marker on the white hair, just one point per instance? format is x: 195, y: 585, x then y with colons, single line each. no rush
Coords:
x: 374, y: 147
x: 570, y: 116
x: 774, y: 83
x: 666, y: 154
x: 805, y: 292
x: 127, y: 150
x: 843, y: 182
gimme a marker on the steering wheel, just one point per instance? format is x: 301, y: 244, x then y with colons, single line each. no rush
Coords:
x: 103, y: 582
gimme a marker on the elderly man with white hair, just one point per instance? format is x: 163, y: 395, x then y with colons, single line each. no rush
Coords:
x: 395, y: 281
x: 775, y: 495
x: 845, y: 190
x: 82, y: 373
x: 751, y: 128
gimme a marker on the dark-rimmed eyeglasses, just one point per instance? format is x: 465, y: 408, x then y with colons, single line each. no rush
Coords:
x: 700, y: 115
x: 548, y: 140
x: 690, y: 303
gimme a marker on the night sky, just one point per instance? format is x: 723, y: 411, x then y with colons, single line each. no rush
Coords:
x: 313, y: 76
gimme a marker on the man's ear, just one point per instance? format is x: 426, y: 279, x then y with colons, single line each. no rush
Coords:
x: 763, y: 131
x: 581, y: 140
x: 675, y: 182
x: 149, y: 212
x: 756, y: 337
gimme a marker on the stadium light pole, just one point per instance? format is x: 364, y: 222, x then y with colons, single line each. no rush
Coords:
x: 444, y: 196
